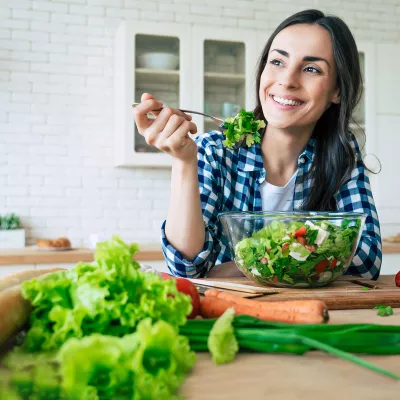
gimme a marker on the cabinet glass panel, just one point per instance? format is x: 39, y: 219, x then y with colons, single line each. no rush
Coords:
x: 156, y: 72
x: 224, y: 79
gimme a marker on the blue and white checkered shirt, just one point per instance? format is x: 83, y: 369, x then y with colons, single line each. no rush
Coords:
x: 229, y: 180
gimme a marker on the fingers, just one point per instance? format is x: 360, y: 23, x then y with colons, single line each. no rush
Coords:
x: 174, y: 126
x: 147, y: 96
x: 141, y: 110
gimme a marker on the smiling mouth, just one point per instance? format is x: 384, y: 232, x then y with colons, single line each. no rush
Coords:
x: 286, y: 102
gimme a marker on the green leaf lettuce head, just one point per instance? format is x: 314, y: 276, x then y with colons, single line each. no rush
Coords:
x: 243, y: 126
x: 109, y: 297
x: 148, y: 364
x: 222, y: 342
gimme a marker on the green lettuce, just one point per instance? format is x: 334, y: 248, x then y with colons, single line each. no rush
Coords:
x: 148, y: 364
x: 243, y: 126
x: 109, y: 297
x: 222, y: 342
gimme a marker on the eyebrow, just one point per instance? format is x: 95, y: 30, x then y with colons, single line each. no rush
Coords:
x: 306, y: 58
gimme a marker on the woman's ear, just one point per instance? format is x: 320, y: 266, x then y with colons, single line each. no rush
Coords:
x: 336, y: 96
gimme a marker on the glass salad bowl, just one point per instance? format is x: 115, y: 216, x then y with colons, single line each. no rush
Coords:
x: 297, y: 249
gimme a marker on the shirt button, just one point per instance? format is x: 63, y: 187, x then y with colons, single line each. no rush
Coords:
x: 302, y: 160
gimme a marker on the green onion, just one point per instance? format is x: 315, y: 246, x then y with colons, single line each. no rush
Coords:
x: 256, y: 335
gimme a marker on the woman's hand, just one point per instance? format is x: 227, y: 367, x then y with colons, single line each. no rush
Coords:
x: 169, y: 131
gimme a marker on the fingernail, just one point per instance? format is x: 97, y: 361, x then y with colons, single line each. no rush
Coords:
x: 160, y: 103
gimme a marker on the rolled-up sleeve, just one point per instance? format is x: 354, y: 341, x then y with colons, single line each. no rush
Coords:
x: 209, y: 188
x: 356, y: 195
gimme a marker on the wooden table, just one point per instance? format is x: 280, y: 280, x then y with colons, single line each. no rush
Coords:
x: 289, y: 377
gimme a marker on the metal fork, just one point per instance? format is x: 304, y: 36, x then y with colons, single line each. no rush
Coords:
x: 218, y: 121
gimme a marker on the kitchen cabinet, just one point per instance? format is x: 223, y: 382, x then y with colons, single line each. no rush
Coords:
x: 224, y: 62
x: 156, y: 74
x: 216, y: 66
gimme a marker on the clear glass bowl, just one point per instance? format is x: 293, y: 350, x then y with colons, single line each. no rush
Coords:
x: 298, y: 249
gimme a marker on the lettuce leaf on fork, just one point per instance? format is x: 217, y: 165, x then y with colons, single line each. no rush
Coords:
x: 243, y: 126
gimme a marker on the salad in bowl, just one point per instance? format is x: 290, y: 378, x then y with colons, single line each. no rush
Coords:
x: 299, y: 249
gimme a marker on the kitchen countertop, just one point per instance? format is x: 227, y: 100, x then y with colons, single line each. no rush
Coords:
x: 289, y: 377
x: 391, y: 247
x: 33, y: 255
x: 148, y: 252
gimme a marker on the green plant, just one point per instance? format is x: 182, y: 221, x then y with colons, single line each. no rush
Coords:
x: 10, y: 221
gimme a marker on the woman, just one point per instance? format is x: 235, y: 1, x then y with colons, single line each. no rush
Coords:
x: 308, y: 84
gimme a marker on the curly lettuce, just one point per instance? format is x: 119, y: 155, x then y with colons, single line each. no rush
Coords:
x: 243, y: 126
x: 148, y: 364
x: 109, y: 297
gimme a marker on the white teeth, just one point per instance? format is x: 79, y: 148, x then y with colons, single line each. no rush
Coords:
x: 285, y: 102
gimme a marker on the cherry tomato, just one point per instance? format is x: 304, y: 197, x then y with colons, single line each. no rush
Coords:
x: 333, y: 263
x: 300, y: 232
x: 302, y: 240
x: 284, y: 246
x: 397, y: 279
x: 187, y: 287
x: 310, y: 247
x: 321, y: 266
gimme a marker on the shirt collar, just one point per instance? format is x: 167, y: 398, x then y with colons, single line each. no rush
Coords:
x: 250, y: 158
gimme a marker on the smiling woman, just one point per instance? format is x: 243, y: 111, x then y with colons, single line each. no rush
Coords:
x: 307, y: 85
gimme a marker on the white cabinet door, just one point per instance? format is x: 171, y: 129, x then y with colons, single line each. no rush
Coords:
x: 223, y: 72
x: 138, y: 70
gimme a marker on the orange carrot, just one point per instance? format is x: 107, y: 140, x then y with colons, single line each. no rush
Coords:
x: 213, y: 307
x: 310, y: 309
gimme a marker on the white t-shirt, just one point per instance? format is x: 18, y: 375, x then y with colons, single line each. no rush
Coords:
x: 278, y: 198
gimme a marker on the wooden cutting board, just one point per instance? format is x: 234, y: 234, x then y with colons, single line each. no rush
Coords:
x: 342, y: 294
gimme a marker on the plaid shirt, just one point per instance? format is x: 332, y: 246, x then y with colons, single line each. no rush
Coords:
x: 229, y: 180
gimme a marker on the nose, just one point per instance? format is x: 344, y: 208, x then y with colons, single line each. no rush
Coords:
x: 288, y: 78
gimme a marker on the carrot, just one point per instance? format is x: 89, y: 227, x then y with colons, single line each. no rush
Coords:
x: 213, y: 307
x: 312, y: 309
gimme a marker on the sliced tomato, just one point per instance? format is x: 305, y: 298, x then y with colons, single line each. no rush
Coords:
x: 268, y: 250
x: 188, y: 288
x: 302, y: 240
x: 397, y: 279
x: 285, y: 245
x: 275, y: 279
x: 310, y: 247
x: 333, y: 263
x: 300, y: 232
x: 321, y: 266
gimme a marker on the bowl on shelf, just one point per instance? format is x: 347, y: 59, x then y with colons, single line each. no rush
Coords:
x: 293, y: 249
x: 158, y: 60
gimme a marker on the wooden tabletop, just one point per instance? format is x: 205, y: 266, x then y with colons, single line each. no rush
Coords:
x: 33, y: 255
x: 289, y: 377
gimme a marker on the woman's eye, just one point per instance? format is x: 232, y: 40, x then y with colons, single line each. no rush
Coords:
x: 312, y: 70
x: 276, y: 62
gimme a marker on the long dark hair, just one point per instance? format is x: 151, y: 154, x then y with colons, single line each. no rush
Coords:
x: 334, y: 159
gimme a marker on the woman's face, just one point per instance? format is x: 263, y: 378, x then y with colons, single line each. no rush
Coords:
x: 299, y: 79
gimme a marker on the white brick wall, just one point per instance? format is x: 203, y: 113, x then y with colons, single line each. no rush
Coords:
x: 56, y: 109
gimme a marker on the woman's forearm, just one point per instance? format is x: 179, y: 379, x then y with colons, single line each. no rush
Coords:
x: 184, y: 228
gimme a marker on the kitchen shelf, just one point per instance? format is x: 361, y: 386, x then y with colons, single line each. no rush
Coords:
x: 157, y: 75
x: 219, y: 78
